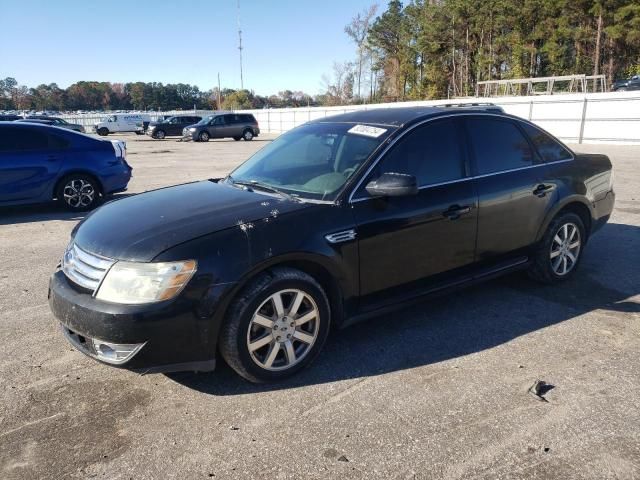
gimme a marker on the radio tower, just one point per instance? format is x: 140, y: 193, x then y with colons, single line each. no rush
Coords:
x: 240, y: 47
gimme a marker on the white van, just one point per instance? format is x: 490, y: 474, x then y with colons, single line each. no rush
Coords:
x: 122, y: 122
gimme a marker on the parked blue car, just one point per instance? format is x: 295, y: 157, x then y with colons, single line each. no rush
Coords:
x: 41, y: 163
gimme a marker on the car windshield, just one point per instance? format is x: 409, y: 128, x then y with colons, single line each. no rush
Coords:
x: 206, y: 120
x: 313, y: 161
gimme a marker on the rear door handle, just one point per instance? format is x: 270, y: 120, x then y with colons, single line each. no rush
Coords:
x: 542, y: 189
x: 455, y: 211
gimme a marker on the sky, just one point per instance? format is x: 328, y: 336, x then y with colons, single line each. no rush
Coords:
x: 288, y: 44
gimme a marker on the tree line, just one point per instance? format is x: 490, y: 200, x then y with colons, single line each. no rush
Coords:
x: 102, y: 96
x: 428, y: 49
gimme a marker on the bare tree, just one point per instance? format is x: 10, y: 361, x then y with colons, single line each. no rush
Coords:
x: 357, y: 31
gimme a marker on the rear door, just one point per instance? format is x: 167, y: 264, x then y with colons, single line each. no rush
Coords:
x: 411, y: 243
x: 28, y: 163
x: 514, y: 191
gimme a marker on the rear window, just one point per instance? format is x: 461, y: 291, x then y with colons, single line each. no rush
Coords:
x: 548, y: 148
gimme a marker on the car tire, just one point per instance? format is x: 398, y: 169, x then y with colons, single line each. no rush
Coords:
x: 203, y: 137
x: 237, y: 139
x: 78, y: 192
x: 247, y: 135
x: 103, y: 132
x: 621, y: 89
x: 560, y: 250
x: 159, y: 134
x: 261, y: 338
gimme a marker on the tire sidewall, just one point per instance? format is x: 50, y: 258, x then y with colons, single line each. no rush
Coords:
x: 548, y: 240
x: 86, y: 178
x: 250, y: 307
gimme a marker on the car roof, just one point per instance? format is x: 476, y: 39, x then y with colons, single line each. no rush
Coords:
x: 401, y: 116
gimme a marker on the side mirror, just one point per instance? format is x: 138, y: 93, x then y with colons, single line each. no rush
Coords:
x: 393, y: 185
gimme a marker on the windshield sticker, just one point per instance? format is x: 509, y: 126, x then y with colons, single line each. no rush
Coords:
x: 367, y: 131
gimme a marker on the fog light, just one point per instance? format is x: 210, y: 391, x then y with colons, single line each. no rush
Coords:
x: 115, y: 353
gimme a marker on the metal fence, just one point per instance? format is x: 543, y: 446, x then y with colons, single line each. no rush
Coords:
x: 592, y: 118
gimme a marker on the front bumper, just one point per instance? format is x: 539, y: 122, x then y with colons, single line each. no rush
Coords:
x: 170, y: 335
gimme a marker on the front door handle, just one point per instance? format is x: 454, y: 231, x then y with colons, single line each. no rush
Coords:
x: 455, y: 211
x: 542, y: 189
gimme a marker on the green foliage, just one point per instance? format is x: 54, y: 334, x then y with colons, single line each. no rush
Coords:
x: 440, y: 48
x: 137, y: 95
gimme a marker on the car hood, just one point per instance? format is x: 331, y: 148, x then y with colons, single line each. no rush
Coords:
x: 140, y: 227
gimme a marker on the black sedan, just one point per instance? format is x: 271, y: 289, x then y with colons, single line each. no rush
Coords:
x: 627, y: 84
x: 54, y: 121
x: 333, y: 222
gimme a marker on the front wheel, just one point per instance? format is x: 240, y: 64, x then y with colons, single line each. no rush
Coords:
x: 103, y: 132
x: 203, y: 137
x: 159, y: 134
x: 560, y: 250
x: 276, y: 326
x: 78, y: 192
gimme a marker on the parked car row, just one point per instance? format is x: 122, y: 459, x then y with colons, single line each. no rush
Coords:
x: 189, y: 127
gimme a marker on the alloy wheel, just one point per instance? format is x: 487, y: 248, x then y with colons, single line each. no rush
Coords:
x: 283, y: 329
x: 565, y: 249
x: 78, y: 193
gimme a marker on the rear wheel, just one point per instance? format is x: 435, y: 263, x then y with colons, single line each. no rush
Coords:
x: 276, y: 326
x: 204, y: 137
x: 103, y: 132
x: 78, y: 192
x: 247, y: 135
x: 237, y: 138
x: 560, y: 250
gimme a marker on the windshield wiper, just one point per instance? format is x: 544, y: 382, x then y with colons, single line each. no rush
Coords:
x: 254, y: 184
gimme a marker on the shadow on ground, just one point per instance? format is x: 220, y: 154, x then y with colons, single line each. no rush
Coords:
x: 45, y: 211
x: 469, y: 321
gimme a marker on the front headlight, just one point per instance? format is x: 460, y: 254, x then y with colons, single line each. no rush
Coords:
x: 192, y: 129
x: 136, y: 283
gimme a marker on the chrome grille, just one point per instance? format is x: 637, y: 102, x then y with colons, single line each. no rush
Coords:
x: 83, y: 268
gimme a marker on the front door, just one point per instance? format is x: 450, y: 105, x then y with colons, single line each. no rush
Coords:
x: 407, y: 244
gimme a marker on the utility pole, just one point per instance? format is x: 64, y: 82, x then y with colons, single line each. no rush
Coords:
x: 219, y: 93
x: 240, y: 47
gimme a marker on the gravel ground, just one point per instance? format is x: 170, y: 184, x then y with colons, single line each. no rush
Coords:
x: 438, y: 390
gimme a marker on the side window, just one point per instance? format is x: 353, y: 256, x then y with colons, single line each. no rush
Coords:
x: 548, y: 148
x: 219, y: 120
x: 431, y: 152
x: 498, y: 145
x: 22, y: 140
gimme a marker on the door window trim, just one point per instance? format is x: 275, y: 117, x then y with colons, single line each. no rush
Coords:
x: 352, y: 200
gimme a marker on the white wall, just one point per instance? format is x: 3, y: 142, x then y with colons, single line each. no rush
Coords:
x: 612, y: 117
x: 592, y: 118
